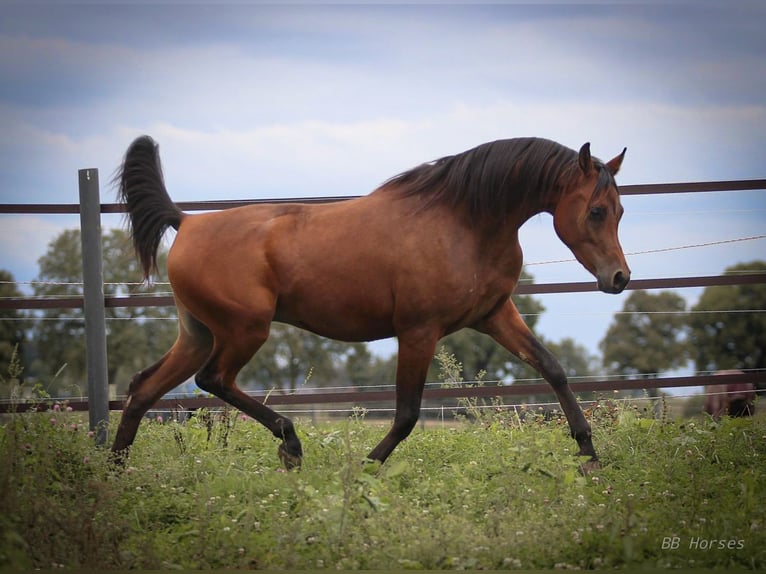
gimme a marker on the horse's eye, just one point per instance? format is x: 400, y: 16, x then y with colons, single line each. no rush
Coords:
x: 597, y: 213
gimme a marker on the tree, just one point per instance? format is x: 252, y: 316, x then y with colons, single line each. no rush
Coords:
x: 478, y: 352
x: 12, y: 324
x: 136, y: 336
x: 731, y: 338
x: 647, y: 337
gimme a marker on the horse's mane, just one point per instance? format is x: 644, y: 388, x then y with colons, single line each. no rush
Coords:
x: 494, y: 178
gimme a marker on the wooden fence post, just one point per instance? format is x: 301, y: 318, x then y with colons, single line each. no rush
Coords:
x: 93, y: 295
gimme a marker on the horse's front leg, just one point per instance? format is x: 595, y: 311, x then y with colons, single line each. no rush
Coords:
x: 508, y: 328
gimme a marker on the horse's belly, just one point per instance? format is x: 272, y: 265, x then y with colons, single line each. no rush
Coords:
x: 343, y: 320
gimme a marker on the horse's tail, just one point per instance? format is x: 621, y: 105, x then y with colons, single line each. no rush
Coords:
x: 150, y: 209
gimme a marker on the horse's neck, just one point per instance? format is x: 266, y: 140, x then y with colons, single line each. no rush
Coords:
x: 532, y: 208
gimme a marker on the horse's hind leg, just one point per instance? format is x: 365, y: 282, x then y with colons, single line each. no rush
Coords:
x: 230, y: 354
x: 183, y: 359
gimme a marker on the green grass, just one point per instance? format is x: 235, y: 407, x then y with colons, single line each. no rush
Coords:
x: 490, y: 494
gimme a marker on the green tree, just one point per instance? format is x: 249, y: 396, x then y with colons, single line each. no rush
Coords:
x: 734, y: 335
x: 136, y: 337
x: 12, y: 323
x: 480, y: 353
x: 647, y: 337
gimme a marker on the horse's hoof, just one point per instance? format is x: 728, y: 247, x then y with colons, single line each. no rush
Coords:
x: 590, y: 466
x: 289, y: 461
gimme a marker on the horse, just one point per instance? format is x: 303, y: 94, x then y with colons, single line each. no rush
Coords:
x: 432, y: 250
x: 732, y: 399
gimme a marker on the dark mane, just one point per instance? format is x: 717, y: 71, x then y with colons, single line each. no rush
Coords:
x: 493, y: 178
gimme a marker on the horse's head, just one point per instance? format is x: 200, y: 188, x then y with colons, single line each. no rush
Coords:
x: 586, y: 219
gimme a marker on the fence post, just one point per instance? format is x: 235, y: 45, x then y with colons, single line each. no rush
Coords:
x: 93, y: 295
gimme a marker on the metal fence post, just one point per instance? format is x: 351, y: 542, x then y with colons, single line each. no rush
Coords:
x: 93, y: 295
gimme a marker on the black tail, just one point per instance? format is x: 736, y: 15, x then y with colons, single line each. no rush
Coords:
x: 150, y: 209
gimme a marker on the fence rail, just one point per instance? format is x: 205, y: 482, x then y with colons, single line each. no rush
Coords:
x: 638, y: 189
x: 441, y: 393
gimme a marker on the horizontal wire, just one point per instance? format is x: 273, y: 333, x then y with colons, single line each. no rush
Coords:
x: 659, y: 250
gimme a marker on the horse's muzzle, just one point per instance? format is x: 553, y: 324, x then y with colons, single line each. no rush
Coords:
x: 615, y: 282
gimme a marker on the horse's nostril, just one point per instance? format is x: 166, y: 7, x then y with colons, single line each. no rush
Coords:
x: 620, y: 280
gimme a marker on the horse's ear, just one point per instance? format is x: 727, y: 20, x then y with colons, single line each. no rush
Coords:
x: 613, y: 165
x: 586, y: 162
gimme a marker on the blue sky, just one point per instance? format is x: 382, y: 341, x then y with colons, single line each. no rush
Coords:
x: 258, y: 101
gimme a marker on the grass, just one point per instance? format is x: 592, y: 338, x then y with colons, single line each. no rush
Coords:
x: 494, y: 493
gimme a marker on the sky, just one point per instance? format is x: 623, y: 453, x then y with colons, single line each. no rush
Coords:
x: 252, y: 100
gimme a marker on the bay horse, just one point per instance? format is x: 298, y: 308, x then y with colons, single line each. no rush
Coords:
x: 432, y: 250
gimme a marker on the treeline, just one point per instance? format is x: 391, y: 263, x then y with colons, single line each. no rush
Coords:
x: 655, y: 332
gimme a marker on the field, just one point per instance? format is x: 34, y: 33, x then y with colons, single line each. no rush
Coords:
x: 490, y: 493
